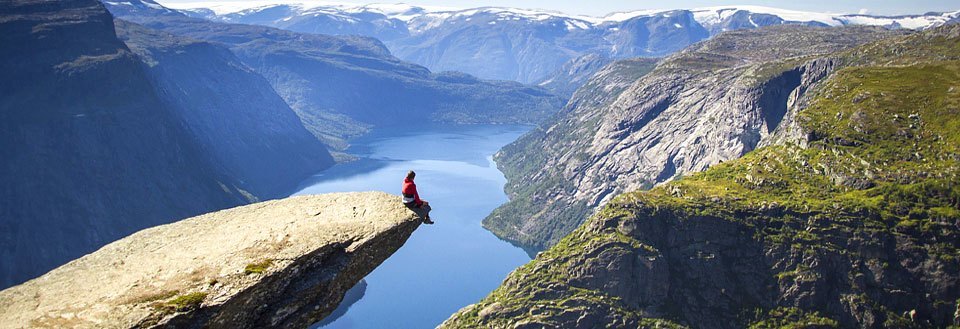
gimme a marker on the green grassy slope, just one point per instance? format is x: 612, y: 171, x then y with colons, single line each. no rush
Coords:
x: 856, y: 227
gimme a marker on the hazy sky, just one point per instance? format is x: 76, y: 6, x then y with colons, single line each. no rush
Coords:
x: 600, y: 8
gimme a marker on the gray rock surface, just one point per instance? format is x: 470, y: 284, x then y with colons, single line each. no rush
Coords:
x: 277, y: 264
x: 574, y: 74
x: 710, y: 103
x: 832, y: 224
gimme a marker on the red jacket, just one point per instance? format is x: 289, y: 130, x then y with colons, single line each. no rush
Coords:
x: 410, y: 189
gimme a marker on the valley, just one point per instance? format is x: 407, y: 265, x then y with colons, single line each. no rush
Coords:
x: 226, y: 164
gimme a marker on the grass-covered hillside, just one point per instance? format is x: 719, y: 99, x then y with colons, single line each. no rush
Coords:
x: 856, y: 224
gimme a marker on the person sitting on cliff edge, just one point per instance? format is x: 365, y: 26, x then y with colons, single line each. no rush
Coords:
x: 411, y: 198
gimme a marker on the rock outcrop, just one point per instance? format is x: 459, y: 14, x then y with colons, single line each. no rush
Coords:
x: 710, y: 103
x: 277, y: 264
x: 850, y: 219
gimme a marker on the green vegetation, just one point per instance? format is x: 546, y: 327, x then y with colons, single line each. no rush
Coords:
x: 880, y: 164
x: 523, y: 163
x: 257, y: 268
x: 793, y: 318
x: 187, y: 302
x: 887, y: 161
x: 181, y: 303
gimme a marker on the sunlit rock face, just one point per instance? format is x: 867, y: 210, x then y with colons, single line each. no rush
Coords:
x: 276, y: 264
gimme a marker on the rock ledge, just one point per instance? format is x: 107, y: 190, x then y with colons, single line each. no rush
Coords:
x: 283, y: 263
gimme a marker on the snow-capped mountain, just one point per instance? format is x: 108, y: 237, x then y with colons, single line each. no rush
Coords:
x: 528, y: 45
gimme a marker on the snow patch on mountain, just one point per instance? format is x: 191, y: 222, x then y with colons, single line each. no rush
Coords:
x: 714, y: 15
x: 422, y: 18
x: 623, y: 16
x: 910, y: 22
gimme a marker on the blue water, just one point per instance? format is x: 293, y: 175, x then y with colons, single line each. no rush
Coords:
x: 445, y: 266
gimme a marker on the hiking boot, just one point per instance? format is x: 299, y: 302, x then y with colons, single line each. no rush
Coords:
x: 427, y: 221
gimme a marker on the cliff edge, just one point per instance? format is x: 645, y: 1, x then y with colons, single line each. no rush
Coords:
x: 283, y: 263
x: 849, y: 219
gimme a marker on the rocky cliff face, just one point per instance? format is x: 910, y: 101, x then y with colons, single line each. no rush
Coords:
x: 235, y: 115
x: 850, y: 219
x: 103, y: 137
x: 574, y: 74
x: 342, y: 86
x: 277, y: 264
x: 710, y: 103
x: 88, y: 151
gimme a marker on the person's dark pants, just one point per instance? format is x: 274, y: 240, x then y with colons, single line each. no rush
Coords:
x: 423, y: 211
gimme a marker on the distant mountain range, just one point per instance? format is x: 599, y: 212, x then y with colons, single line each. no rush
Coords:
x: 329, y: 80
x: 530, y: 45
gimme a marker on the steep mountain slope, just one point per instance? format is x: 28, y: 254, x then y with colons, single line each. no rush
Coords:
x: 713, y: 102
x: 88, y: 152
x: 340, y: 86
x: 529, y: 45
x: 574, y: 74
x: 852, y: 219
x: 240, y: 122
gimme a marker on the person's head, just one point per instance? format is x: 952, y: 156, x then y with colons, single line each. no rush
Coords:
x: 411, y: 175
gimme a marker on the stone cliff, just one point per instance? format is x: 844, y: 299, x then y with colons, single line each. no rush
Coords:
x: 632, y: 128
x: 849, y: 217
x: 276, y: 264
x: 233, y: 113
x: 576, y: 72
x: 88, y: 151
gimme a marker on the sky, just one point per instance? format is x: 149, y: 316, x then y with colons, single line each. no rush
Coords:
x: 604, y: 7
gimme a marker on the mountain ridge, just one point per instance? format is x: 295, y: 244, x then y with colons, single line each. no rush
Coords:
x: 849, y: 220
x: 529, y: 45
x: 712, y: 102
x: 408, y: 13
x: 326, y: 79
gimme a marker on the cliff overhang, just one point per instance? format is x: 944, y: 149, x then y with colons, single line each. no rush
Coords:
x: 283, y: 263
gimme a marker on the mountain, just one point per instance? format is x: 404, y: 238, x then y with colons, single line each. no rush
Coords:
x: 574, y: 73
x: 710, y: 103
x: 340, y: 87
x: 278, y: 264
x: 109, y: 128
x: 530, y: 45
x: 232, y: 111
x: 371, y: 20
x: 846, y: 218
x: 89, y: 153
